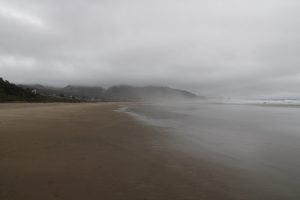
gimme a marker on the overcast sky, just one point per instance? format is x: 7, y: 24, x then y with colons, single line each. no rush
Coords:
x: 237, y: 48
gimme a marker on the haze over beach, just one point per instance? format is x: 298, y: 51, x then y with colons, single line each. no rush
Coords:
x: 156, y: 100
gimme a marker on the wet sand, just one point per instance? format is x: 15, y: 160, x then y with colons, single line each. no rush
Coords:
x: 89, y: 151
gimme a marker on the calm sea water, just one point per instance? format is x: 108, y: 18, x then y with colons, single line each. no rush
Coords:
x: 261, y: 142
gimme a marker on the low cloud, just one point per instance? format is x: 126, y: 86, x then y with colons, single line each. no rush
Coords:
x: 212, y: 47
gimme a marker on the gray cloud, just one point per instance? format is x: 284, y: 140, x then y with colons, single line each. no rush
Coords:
x: 212, y: 47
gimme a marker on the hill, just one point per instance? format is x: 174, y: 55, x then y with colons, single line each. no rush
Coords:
x: 10, y: 92
x: 148, y: 93
x: 115, y: 93
x: 84, y: 92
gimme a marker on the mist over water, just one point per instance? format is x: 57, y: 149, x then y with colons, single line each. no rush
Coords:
x: 260, y: 142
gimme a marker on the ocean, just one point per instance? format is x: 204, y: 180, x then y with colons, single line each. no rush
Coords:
x: 260, y: 142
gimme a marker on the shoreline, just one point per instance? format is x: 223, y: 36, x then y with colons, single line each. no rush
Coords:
x: 90, y: 151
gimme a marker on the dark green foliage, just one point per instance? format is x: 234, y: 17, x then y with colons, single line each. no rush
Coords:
x: 10, y: 92
x: 82, y: 93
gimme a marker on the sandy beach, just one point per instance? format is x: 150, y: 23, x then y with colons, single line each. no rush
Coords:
x: 89, y: 151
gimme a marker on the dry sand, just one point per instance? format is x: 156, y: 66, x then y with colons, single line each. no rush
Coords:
x: 89, y: 151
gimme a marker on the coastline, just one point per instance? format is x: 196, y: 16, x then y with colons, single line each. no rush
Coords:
x: 89, y: 151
